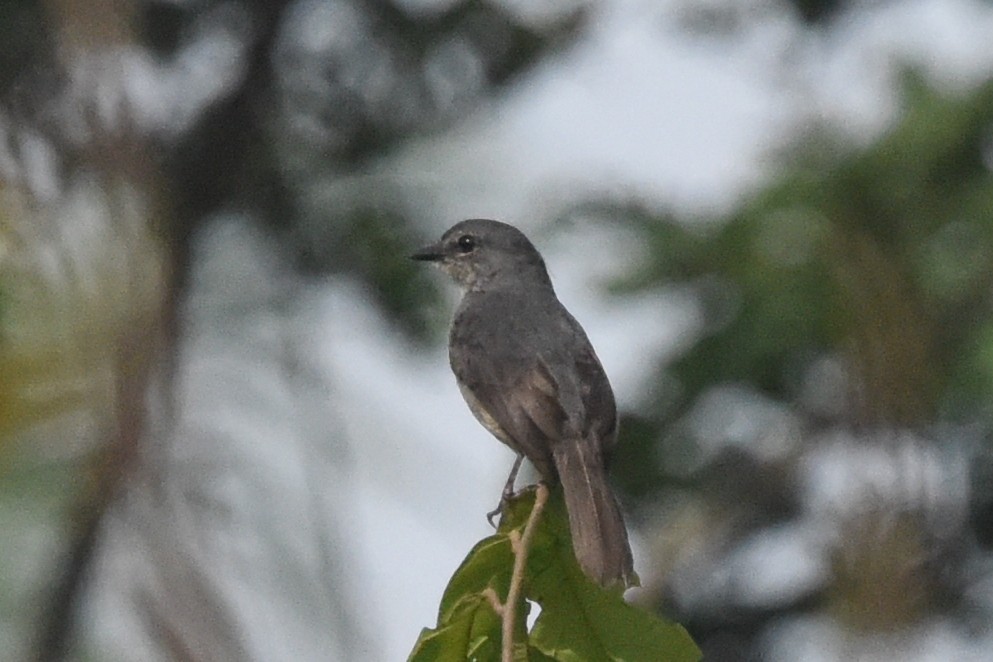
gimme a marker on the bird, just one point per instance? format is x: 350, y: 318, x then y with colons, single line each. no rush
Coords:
x: 531, y: 377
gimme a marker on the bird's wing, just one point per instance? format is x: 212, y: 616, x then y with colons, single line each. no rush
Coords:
x: 538, y: 395
x: 599, y: 411
x: 517, y: 401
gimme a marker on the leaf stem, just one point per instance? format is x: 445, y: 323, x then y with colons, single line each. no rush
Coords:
x: 520, y: 544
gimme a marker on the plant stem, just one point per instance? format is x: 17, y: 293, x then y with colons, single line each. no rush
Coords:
x: 521, y: 544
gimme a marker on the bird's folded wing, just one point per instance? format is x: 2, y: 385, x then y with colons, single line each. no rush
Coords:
x: 537, y: 397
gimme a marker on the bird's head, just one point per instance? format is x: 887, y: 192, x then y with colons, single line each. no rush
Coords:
x: 480, y: 254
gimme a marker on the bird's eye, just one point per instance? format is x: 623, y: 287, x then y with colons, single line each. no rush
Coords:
x: 466, y: 243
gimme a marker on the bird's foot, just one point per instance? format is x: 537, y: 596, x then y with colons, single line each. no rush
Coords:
x: 493, y: 513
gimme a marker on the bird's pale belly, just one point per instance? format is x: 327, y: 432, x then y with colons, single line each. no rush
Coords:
x: 486, y: 419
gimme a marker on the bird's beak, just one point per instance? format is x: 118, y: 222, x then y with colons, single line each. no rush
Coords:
x: 431, y: 253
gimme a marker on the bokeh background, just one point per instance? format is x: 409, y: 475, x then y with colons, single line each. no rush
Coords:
x: 227, y: 426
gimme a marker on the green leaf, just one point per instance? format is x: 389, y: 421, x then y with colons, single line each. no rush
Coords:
x: 468, y: 628
x: 580, y: 620
x: 470, y: 631
x: 535, y: 655
x: 489, y: 564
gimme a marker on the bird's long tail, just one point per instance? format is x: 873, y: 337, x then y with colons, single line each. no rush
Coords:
x: 599, y: 536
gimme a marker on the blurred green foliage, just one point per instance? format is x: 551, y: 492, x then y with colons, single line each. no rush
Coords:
x: 372, y: 245
x: 879, y: 258
x: 883, y: 254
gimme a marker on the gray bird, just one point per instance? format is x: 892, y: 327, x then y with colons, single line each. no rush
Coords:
x: 530, y: 376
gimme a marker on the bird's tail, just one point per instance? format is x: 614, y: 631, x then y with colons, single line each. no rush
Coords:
x: 599, y: 536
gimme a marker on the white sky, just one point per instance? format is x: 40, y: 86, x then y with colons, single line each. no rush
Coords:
x: 637, y: 106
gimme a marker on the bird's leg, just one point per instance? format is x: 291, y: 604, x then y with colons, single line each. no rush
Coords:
x: 508, y: 490
x: 508, y: 487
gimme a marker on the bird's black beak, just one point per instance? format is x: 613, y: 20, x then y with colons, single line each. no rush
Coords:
x: 431, y: 253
